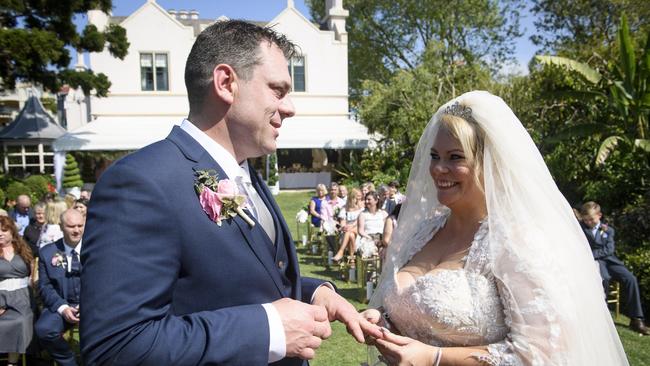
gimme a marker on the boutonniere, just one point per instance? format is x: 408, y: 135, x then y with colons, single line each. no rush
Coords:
x: 603, y: 230
x: 219, y: 198
x: 59, y: 260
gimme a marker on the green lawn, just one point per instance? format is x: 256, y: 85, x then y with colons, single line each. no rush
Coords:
x: 341, y: 349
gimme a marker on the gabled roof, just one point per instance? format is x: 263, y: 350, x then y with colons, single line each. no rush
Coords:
x: 33, y: 122
x: 197, y: 25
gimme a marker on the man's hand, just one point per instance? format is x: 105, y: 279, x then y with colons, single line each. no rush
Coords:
x: 71, y: 315
x: 2, y: 311
x: 305, y: 326
x: 339, y: 309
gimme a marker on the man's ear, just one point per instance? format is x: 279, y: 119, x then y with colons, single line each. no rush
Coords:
x: 224, y: 83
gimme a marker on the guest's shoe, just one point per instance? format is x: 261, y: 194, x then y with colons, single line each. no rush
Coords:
x: 638, y: 326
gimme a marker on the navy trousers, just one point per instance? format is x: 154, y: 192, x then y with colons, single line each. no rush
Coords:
x: 49, y: 330
x: 631, y: 296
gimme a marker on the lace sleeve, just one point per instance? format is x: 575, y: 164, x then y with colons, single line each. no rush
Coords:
x: 535, y: 335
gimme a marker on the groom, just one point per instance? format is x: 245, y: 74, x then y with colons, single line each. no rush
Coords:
x: 163, y: 284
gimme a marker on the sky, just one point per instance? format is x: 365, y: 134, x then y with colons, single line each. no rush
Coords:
x: 266, y: 10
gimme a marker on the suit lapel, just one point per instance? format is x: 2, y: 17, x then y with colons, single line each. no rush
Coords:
x: 63, y: 270
x: 193, y: 151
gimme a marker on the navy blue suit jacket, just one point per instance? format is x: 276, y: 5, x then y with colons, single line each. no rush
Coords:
x: 164, y: 285
x: 52, y: 282
x: 602, y: 245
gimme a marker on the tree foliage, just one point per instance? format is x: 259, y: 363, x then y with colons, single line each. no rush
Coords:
x: 624, y: 88
x: 580, y: 28
x: 33, y: 40
x: 388, y: 36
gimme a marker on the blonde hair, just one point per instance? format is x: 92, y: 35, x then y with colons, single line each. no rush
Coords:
x: 471, y: 138
x: 320, y: 187
x: 352, y: 198
x: 53, y: 211
x: 70, y: 199
x: 369, y: 185
x: 589, y: 208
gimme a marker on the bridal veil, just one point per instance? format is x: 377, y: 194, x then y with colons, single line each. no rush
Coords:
x: 547, y: 278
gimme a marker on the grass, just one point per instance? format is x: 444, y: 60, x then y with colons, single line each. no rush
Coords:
x: 341, y: 349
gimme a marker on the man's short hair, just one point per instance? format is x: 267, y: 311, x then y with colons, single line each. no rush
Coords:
x: 232, y: 42
x: 589, y: 207
x: 394, y: 184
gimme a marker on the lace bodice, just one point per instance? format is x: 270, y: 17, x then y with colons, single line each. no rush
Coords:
x: 460, y: 307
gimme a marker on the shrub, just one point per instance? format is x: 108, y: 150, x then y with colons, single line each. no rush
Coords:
x: 17, y: 188
x: 633, y: 242
x: 37, y: 184
x: 71, y: 177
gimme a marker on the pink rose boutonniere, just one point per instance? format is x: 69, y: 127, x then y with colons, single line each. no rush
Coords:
x: 219, y: 198
x: 58, y: 260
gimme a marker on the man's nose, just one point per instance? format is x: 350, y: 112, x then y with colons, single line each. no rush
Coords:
x: 286, y: 108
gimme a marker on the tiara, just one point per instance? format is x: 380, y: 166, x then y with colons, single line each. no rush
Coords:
x: 460, y: 110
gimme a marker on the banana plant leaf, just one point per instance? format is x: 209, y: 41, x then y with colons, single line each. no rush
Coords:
x: 628, y: 59
x: 581, y: 130
x: 590, y: 74
x: 643, y: 144
x: 606, y: 148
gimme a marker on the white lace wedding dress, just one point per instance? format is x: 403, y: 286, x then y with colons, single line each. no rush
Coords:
x: 460, y: 307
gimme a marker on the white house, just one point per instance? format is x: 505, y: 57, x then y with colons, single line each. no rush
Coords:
x: 148, y: 94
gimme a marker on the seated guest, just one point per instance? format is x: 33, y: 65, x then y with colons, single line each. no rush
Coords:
x: 389, y: 227
x: 329, y: 211
x: 16, y: 317
x: 316, y: 203
x: 367, y: 187
x: 383, y: 195
x: 33, y: 231
x: 60, y: 286
x: 52, y: 228
x: 601, y: 240
x: 343, y: 194
x: 22, y: 213
x: 81, y: 205
x: 348, y: 222
x: 370, y: 226
x: 395, y: 194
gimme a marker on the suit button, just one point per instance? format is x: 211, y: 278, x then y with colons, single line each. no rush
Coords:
x: 280, y: 264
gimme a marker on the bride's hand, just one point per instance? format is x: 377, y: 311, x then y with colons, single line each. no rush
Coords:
x: 403, y: 351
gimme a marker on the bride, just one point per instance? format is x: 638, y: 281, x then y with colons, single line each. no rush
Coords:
x: 488, y: 265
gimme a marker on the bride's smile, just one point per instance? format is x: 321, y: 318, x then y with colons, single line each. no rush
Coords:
x: 452, y: 172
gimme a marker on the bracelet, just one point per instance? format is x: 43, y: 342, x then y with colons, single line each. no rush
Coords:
x: 436, y: 362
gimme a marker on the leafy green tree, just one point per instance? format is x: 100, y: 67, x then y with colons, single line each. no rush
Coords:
x: 582, y: 28
x: 400, y: 109
x: 388, y: 36
x: 34, y: 36
x: 71, y: 176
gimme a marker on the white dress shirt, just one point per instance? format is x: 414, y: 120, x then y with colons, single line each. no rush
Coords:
x: 68, y: 263
x: 240, y: 174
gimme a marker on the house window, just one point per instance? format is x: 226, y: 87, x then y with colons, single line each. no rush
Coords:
x: 154, y: 73
x: 34, y: 159
x: 297, y: 72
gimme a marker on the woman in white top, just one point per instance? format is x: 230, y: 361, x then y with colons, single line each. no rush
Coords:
x: 348, y: 221
x: 370, y: 226
x: 52, y: 229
